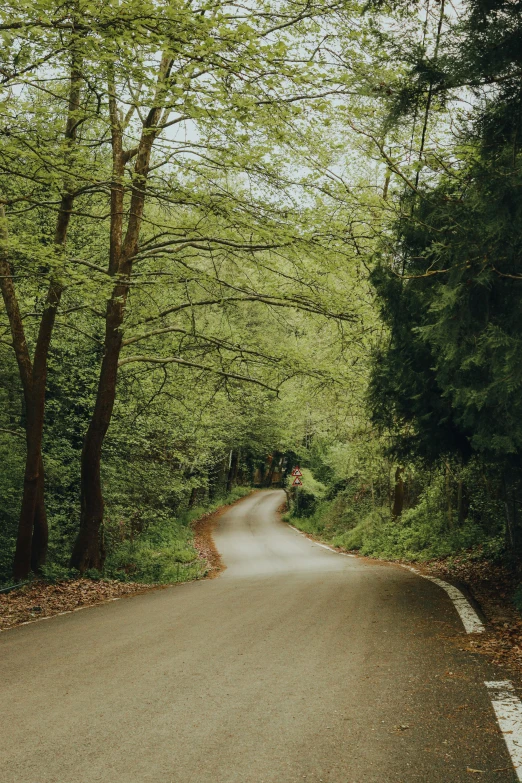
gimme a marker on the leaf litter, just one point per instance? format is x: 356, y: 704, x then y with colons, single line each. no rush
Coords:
x: 41, y: 599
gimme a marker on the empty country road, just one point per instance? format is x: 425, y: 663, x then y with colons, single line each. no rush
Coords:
x: 295, y: 665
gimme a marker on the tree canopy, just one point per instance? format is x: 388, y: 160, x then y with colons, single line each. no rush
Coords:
x: 230, y: 233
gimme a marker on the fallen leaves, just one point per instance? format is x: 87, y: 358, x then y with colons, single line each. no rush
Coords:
x: 41, y: 599
x: 204, y: 543
x: 492, y: 586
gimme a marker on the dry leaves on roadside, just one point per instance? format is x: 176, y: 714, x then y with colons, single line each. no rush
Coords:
x: 204, y: 543
x: 40, y: 599
x: 493, y: 587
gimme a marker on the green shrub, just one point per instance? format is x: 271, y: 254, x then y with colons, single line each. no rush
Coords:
x: 143, y: 561
x: 304, y: 500
x: 427, y: 531
x: 164, y: 552
x: 55, y: 572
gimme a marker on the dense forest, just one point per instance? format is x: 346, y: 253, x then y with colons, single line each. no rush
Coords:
x: 237, y: 237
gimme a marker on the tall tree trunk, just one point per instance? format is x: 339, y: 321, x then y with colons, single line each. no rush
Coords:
x: 513, y: 530
x: 32, y: 497
x: 268, y: 478
x: 33, y: 531
x: 88, y: 551
x: 251, y: 468
x: 398, y: 493
x: 462, y: 501
x: 33, y: 510
x: 193, y: 497
x: 449, y: 496
x: 40, y: 539
x: 232, y: 471
x: 217, y: 478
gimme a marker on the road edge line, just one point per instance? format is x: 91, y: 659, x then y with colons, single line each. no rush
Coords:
x: 470, y: 619
x: 324, y: 546
x: 508, y: 712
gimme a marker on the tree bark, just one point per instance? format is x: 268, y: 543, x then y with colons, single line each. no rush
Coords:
x: 88, y: 551
x: 193, y: 497
x: 217, y: 481
x: 462, y: 501
x: 398, y: 493
x: 32, y: 531
x: 40, y: 539
x: 32, y: 510
x: 513, y: 530
x: 232, y: 471
x: 448, y: 496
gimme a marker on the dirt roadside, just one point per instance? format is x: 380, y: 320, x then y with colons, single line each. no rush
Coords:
x: 41, y: 600
x: 204, y: 543
x: 492, y: 586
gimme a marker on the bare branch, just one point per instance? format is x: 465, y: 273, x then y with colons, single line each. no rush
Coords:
x: 186, y: 363
x: 17, y: 433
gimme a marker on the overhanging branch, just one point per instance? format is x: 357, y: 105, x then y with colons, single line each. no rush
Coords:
x: 186, y: 363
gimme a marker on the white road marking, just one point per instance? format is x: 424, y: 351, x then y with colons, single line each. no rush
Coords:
x: 508, y: 711
x: 324, y: 546
x: 470, y: 619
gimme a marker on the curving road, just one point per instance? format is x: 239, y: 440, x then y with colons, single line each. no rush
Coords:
x: 296, y: 665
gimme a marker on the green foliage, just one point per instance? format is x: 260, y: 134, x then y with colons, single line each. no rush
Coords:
x: 425, y: 531
x: 452, y: 367
x: 164, y: 552
x: 273, y: 215
x: 304, y: 500
x: 447, y: 380
x: 229, y: 281
x: 420, y: 536
x: 165, y: 556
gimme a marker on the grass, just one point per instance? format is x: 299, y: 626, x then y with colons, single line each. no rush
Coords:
x: 165, y: 553
x: 420, y: 534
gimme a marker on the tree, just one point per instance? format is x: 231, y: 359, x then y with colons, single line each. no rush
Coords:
x: 449, y: 380
x: 32, y: 531
x: 188, y: 205
x: 205, y: 78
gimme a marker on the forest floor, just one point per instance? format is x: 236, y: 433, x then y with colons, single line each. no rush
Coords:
x: 204, y: 542
x: 40, y: 599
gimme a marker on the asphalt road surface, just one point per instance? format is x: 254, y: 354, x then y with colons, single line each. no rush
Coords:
x: 296, y: 665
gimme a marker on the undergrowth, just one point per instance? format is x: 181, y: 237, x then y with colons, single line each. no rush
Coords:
x: 350, y: 520
x: 161, y: 552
